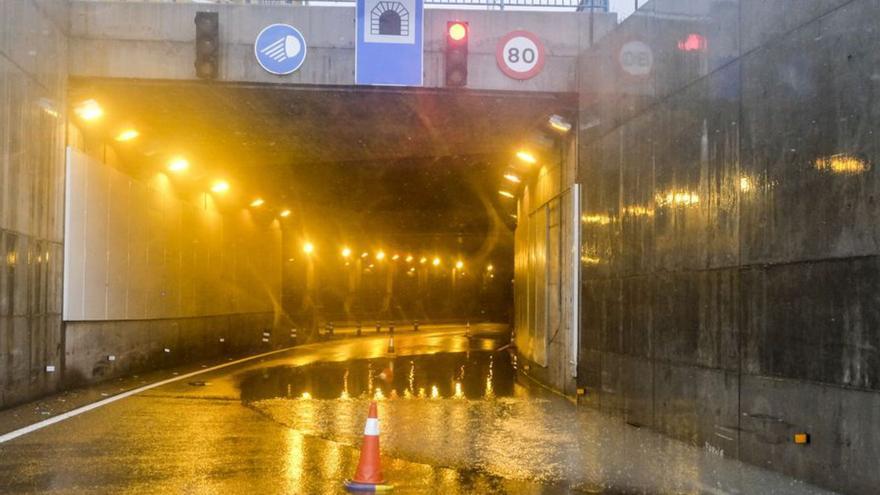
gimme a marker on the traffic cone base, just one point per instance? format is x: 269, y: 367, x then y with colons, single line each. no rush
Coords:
x: 354, y: 486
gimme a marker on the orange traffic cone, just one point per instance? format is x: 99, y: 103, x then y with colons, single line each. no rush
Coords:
x: 368, y: 477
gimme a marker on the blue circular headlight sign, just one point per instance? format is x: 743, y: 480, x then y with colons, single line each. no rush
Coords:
x: 280, y: 49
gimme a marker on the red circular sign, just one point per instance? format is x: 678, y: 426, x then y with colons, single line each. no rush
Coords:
x: 520, y: 55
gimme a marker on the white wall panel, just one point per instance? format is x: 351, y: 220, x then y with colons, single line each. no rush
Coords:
x: 136, y: 251
x: 96, y: 210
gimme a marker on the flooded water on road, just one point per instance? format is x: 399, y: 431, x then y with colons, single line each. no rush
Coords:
x: 467, y: 411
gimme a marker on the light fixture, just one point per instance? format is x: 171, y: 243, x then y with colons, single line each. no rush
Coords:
x: 127, y: 135
x: 512, y: 178
x: 526, y: 156
x: 346, y: 252
x: 364, y: 254
x: 459, y: 264
x: 257, y: 203
x: 285, y: 213
x: 506, y: 194
x: 436, y: 261
x: 409, y: 258
x: 489, y: 268
x: 395, y: 257
x: 380, y: 255
x: 308, y: 248
x: 178, y: 164
x: 423, y: 260
x: 558, y: 123
x: 220, y: 186
x: 89, y: 110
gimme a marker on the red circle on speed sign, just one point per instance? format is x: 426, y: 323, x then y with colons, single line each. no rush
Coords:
x: 520, y: 55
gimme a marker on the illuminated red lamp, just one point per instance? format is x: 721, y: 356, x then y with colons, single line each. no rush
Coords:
x: 457, y: 31
x: 693, y: 43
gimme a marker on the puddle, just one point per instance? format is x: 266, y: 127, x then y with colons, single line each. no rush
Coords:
x: 460, y: 375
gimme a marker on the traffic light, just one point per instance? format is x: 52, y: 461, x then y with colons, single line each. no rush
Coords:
x: 456, y: 54
x: 207, y: 45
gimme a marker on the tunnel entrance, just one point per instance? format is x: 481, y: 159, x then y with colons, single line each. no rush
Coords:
x: 337, y: 205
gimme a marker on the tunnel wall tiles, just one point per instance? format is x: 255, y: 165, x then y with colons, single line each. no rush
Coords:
x: 33, y: 77
x: 729, y: 246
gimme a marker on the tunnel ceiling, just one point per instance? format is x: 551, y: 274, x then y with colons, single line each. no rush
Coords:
x: 406, y: 161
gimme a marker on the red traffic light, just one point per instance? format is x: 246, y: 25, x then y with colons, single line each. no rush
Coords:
x: 694, y: 42
x: 457, y: 31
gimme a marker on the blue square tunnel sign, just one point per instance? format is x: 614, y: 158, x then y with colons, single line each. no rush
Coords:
x: 389, y: 42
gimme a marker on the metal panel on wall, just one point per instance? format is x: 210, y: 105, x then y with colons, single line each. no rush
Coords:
x: 139, y: 252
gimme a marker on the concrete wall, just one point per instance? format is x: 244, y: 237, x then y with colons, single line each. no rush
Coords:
x: 33, y: 50
x: 730, y: 234
x: 156, y: 41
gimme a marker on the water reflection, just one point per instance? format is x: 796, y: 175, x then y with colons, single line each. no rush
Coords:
x: 460, y: 375
x: 678, y: 198
x: 842, y: 163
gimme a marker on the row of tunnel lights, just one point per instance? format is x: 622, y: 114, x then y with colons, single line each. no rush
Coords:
x: 91, y: 110
x: 558, y: 124
x: 347, y: 253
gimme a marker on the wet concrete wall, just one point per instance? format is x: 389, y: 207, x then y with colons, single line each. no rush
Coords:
x: 730, y: 237
x: 33, y: 50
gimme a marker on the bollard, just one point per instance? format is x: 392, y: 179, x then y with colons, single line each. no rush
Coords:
x: 467, y: 330
x: 378, y: 327
x: 359, y: 330
x: 331, y: 328
x: 391, y: 328
x: 416, y: 326
x: 391, y: 343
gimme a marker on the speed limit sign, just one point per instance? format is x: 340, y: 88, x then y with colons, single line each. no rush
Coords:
x: 520, y: 55
x: 636, y: 58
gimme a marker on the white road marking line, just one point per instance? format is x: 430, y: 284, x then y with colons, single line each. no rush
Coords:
x: 88, y: 407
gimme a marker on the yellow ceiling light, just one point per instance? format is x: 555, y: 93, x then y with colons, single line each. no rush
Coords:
x: 395, y: 257
x: 308, y: 248
x: 220, y: 186
x: 127, y: 135
x: 346, y: 252
x: 526, y: 157
x: 423, y: 260
x: 512, y: 178
x: 178, y: 164
x: 436, y: 261
x: 257, y: 203
x: 490, y: 268
x: 285, y: 213
x: 89, y: 110
x: 506, y: 194
x: 409, y: 258
x: 380, y: 255
x: 459, y: 264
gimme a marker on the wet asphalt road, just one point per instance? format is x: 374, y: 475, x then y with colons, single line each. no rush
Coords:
x: 455, y: 419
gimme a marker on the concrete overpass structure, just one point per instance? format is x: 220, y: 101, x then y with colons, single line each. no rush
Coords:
x: 155, y: 41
